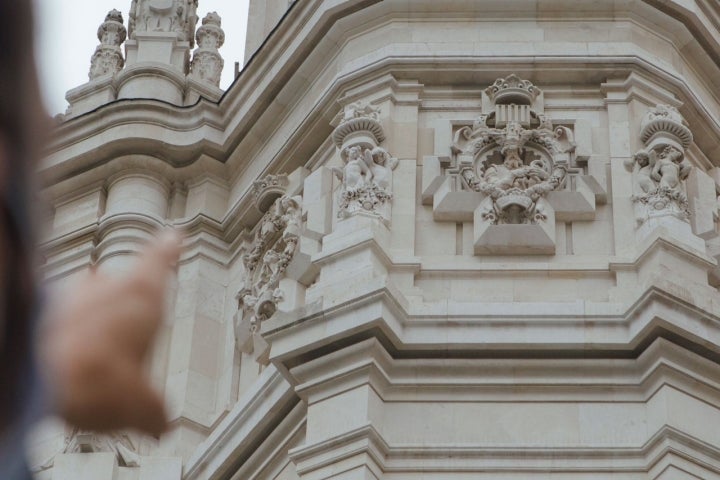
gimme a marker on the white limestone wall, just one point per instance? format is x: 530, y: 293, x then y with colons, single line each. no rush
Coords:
x: 405, y: 355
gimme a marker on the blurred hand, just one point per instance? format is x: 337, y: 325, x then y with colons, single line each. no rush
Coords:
x: 96, y: 341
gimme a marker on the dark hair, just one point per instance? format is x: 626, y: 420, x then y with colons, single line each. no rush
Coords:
x: 20, y: 130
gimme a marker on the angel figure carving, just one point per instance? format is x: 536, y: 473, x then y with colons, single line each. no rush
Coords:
x: 366, y: 179
x: 670, y: 168
x: 659, y: 176
x: 356, y: 173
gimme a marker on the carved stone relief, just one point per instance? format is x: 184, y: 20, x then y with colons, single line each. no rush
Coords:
x: 268, y: 256
x: 660, y: 169
x: 207, y: 63
x: 515, y: 166
x: 508, y: 174
x: 108, y: 58
x: 178, y: 16
x: 367, y: 172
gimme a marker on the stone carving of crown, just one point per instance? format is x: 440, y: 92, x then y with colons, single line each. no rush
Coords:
x: 268, y: 189
x: 113, y: 23
x: 210, y: 34
x: 114, y: 16
x: 212, y: 18
x: 512, y: 90
x: 665, y: 125
x: 359, y: 123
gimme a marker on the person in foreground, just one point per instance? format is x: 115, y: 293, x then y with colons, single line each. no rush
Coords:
x: 85, y: 359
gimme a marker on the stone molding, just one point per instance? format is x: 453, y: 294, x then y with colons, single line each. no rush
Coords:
x: 242, y: 138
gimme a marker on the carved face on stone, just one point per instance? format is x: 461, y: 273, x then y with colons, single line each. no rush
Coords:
x: 513, y: 160
x: 672, y: 154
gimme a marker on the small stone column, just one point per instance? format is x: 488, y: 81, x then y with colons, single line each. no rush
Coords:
x: 105, y: 64
x: 108, y: 59
x: 207, y: 63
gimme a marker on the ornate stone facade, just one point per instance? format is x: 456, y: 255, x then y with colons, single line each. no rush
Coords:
x: 498, y: 262
x: 515, y: 166
x: 160, y: 36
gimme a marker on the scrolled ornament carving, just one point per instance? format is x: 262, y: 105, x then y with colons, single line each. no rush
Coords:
x: 514, y: 166
x: 268, y: 256
x: 660, y: 169
x: 108, y: 58
x: 358, y: 118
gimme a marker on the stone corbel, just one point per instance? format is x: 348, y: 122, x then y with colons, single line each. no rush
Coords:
x: 660, y: 169
x: 367, y: 173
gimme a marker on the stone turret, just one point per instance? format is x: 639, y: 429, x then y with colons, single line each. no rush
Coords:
x: 158, y: 51
x: 160, y: 36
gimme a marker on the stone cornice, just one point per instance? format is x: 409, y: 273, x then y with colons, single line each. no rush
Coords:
x: 259, y: 410
x: 446, y: 459
x: 482, y: 329
x: 508, y: 380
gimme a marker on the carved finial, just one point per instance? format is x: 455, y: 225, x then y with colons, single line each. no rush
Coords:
x: 512, y: 90
x: 207, y: 63
x: 114, y: 15
x: 108, y: 59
